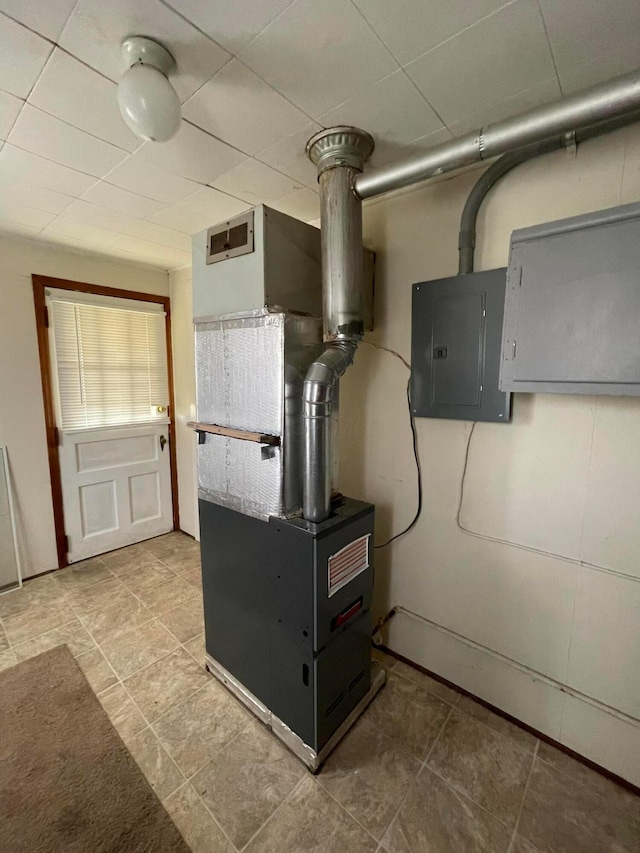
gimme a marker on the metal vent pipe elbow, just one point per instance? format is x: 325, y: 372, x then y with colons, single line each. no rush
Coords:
x: 340, y: 154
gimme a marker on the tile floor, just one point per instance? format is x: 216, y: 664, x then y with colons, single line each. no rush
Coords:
x: 425, y: 769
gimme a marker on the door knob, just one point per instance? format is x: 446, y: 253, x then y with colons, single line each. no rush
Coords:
x: 163, y: 441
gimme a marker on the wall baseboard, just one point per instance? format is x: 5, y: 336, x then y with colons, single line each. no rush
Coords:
x: 603, y: 736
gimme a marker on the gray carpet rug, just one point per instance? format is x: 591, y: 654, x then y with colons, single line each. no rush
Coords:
x: 67, y: 781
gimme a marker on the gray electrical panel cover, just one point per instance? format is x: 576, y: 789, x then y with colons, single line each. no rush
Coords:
x: 572, y: 308
x: 455, y: 348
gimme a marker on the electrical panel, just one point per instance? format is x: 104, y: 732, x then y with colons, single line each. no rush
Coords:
x: 573, y: 306
x: 455, y: 348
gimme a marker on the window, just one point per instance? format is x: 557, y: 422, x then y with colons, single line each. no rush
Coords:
x: 110, y: 360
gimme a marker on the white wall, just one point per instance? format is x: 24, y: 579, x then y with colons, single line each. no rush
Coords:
x: 553, y: 640
x: 185, y: 396
x: 22, y: 426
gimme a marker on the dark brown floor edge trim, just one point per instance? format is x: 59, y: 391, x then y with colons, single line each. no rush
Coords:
x: 624, y: 783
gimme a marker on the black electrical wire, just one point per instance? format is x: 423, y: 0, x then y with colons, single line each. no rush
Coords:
x: 416, y: 454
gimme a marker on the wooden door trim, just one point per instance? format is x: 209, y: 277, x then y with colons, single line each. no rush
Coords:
x: 40, y: 283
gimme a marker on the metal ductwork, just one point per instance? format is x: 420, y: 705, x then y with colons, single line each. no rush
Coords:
x: 339, y: 154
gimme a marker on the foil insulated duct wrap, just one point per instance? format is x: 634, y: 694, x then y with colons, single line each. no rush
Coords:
x: 239, y: 372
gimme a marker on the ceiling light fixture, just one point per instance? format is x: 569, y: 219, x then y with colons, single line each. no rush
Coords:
x: 147, y: 100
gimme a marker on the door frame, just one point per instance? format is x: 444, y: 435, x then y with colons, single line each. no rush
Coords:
x: 40, y: 283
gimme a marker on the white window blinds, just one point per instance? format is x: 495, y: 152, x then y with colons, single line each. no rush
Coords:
x: 111, y: 364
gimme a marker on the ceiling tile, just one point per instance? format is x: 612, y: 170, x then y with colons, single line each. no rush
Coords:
x: 216, y: 206
x: 21, y: 192
x: 193, y: 154
x: 24, y: 166
x: 75, y: 93
x: 48, y: 18
x: 543, y: 93
x: 319, y: 54
x: 462, y: 76
x: 23, y: 215
x: 393, y: 111
x: 22, y: 57
x: 145, y: 249
x: 115, y: 198
x: 176, y: 216
x: 240, y: 108
x: 256, y: 183
x: 302, y: 204
x: 147, y: 179
x: 232, y: 23
x: 10, y: 107
x: 391, y: 152
x: 410, y: 28
x: 96, y: 29
x: 51, y: 138
x: 289, y: 156
x: 16, y: 230
x: 592, y: 42
x: 76, y: 230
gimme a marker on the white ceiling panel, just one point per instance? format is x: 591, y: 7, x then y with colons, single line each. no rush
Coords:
x: 21, y: 192
x: 23, y: 166
x: 393, y: 111
x: 176, y: 216
x: 592, y: 42
x: 115, y: 198
x: 10, y: 107
x: 543, y: 93
x: 22, y: 57
x: 96, y: 29
x: 47, y: 18
x: 302, y: 204
x: 14, y: 229
x: 52, y: 139
x: 410, y: 28
x: 240, y: 108
x: 76, y: 230
x: 192, y: 154
x: 255, y: 183
x: 73, y: 92
x: 319, y: 54
x: 464, y: 75
x: 145, y: 249
x: 21, y: 214
x: 391, y: 152
x: 147, y: 179
x: 288, y: 156
x: 216, y: 206
x: 232, y: 23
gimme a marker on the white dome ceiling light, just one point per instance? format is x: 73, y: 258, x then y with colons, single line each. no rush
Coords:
x: 147, y: 100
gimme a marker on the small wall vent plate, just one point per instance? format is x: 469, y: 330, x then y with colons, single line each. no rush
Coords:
x: 455, y: 348
x: 230, y: 239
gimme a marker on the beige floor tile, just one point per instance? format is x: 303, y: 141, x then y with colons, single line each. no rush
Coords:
x: 4, y: 640
x: 245, y: 782
x: 7, y: 659
x: 37, y: 620
x: 122, y: 712
x: 387, y: 662
x: 96, y: 669
x: 562, y: 814
x: 164, y: 546
x: 369, y: 775
x: 311, y: 821
x: 37, y: 591
x: 167, y: 595
x: 521, y: 845
x: 85, y: 600
x: 73, y: 634
x: 196, y: 649
x: 409, y: 714
x: 133, y: 650
x: 183, y: 559
x: 83, y: 574
x: 152, y: 758
x: 495, y: 721
x: 194, y: 730
x: 565, y: 763
x: 486, y: 766
x: 192, y: 575
x: 431, y: 684
x: 124, y: 613
x: 436, y: 818
x: 128, y: 559
x: 149, y: 575
x: 185, y: 621
x: 159, y: 686
x: 195, y: 824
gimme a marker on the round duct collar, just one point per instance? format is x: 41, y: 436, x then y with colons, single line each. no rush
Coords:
x: 340, y: 146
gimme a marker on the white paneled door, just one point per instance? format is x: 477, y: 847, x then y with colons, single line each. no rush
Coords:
x: 109, y: 365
